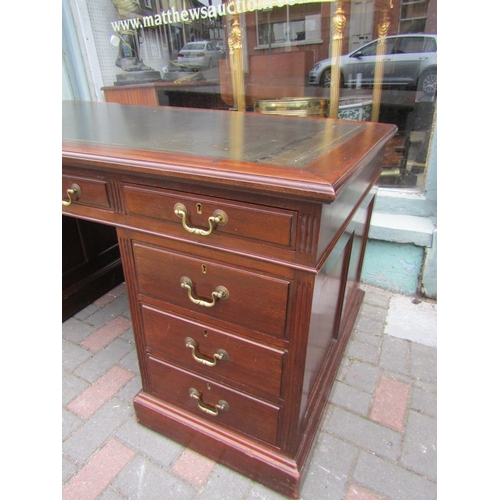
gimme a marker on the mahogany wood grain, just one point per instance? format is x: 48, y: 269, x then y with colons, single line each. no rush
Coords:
x: 244, y: 221
x: 245, y: 413
x: 93, y: 191
x: 165, y: 336
x: 138, y: 95
x: 255, y: 301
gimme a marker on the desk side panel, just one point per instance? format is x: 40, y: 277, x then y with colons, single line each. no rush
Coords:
x: 336, y: 216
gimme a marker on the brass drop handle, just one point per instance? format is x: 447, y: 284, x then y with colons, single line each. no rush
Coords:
x: 73, y: 190
x: 211, y: 410
x: 221, y: 292
x: 219, y: 218
x: 220, y: 355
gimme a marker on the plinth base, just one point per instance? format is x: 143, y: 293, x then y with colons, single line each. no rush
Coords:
x: 260, y: 463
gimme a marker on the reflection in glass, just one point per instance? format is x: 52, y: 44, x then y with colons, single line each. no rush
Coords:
x: 285, y: 52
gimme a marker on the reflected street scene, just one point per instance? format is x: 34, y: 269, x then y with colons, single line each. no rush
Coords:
x: 368, y: 60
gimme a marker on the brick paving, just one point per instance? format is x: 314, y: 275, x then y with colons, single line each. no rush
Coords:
x: 377, y: 441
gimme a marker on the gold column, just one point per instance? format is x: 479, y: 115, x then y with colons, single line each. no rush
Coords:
x: 236, y: 61
x: 236, y: 136
x: 338, y: 26
x: 383, y: 29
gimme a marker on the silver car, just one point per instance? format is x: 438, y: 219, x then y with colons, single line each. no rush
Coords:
x: 409, y: 60
x: 199, y: 55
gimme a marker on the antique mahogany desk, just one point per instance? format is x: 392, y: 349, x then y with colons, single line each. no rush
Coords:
x: 242, y: 239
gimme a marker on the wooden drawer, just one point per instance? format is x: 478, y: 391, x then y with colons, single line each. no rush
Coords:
x: 243, y: 413
x: 93, y: 192
x: 254, y: 301
x: 247, y: 363
x: 247, y: 221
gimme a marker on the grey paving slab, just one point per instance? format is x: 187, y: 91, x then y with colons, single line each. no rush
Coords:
x: 344, y: 367
x: 86, y: 312
x: 331, y: 465
x: 72, y: 386
x: 395, y: 355
x: 111, y: 494
x: 351, y: 398
x: 225, y: 484
x: 109, y: 312
x: 93, y: 433
x: 102, y: 361
x: 362, y: 375
x: 419, y: 446
x: 363, y: 352
x: 364, y: 433
x: 130, y: 361
x: 70, y: 423
x: 73, y: 355
x: 430, y: 387
x: 367, y: 337
x: 142, y: 479
x: 396, y: 483
x: 370, y: 325
x: 158, y: 448
x: 68, y: 469
x: 424, y: 401
x: 259, y: 492
x: 128, y: 335
x: 423, y: 362
x: 130, y: 390
x: 76, y: 331
x: 375, y: 312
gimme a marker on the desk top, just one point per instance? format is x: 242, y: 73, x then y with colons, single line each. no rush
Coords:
x: 306, y: 157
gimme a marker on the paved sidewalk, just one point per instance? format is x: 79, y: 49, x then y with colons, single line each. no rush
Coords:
x: 377, y: 440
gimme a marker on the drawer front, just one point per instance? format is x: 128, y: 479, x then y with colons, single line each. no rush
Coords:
x: 213, y: 401
x: 254, y: 301
x: 270, y: 225
x: 213, y: 352
x: 92, y: 192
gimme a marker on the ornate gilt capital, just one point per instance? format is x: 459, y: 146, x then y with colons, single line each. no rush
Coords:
x: 338, y: 24
x: 235, y: 37
x: 384, y: 25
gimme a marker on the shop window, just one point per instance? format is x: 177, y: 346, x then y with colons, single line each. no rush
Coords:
x: 288, y: 24
x: 413, y: 16
x: 285, y: 52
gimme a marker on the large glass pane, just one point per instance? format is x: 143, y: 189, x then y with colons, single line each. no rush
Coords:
x: 260, y: 56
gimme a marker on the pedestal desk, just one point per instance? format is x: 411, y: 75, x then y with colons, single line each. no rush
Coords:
x: 242, y: 239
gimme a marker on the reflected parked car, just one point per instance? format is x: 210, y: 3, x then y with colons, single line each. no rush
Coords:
x: 409, y: 60
x: 199, y: 55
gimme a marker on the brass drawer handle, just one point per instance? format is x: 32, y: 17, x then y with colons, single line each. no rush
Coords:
x: 221, y: 292
x: 211, y: 410
x: 219, y: 218
x: 73, y: 190
x: 220, y: 355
